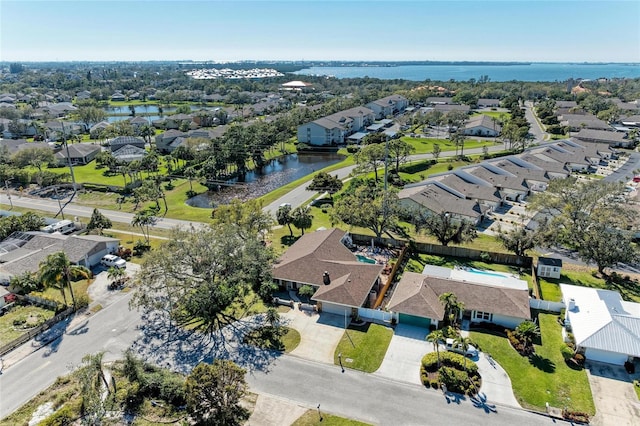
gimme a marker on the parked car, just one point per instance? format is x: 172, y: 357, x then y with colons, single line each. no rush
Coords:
x: 452, y: 346
x: 113, y: 260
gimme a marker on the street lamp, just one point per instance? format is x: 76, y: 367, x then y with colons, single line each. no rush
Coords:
x: 6, y: 185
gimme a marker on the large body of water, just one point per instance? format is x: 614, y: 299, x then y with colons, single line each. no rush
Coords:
x: 277, y: 173
x: 531, y: 72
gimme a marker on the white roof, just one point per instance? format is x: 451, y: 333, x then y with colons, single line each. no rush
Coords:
x: 602, y: 320
x: 296, y: 83
x: 476, y: 276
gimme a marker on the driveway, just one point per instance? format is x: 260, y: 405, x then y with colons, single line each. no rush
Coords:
x: 404, y: 354
x: 408, y: 346
x: 319, y: 334
x: 99, y: 292
x: 613, y: 395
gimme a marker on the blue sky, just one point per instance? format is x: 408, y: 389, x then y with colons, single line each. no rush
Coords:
x: 516, y: 30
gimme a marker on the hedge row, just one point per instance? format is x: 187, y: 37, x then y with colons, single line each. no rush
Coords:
x: 448, y: 359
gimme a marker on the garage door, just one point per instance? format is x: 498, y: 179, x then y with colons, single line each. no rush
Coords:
x: 330, y: 308
x: 605, y: 356
x: 414, y: 320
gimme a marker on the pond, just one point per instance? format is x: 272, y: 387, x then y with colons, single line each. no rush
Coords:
x: 139, y: 109
x: 277, y: 173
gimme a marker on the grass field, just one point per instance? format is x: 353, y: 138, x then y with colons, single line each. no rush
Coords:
x: 425, y: 145
x: 364, y: 347
x: 33, y: 316
x: 316, y: 418
x: 544, y: 377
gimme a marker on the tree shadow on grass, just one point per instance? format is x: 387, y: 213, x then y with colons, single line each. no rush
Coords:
x: 542, y: 364
x: 288, y: 240
x: 170, y: 346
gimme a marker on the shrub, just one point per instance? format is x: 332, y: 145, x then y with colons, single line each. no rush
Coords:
x: 450, y: 167
x: 140, y: 247
x: 64, y: 416
x: 455, y: 380
x: 448, y: 359
x: 567, y: 352
x: 190, y: 193
x: 579, y: 359
x: 435, y: 384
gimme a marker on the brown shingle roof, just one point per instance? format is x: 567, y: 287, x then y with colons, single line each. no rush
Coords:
x: 417, y: 294
x: 314, y: 253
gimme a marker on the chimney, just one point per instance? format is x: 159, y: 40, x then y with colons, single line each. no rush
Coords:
x: 572, y: 304
x: 325, y: 278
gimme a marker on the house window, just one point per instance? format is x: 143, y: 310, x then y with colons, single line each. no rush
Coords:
x: 482, y: 316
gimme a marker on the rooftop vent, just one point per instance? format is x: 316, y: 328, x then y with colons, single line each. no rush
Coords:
x: 325, y: 278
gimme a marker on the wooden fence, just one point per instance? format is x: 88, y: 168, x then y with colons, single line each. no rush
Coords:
x: 392, y: 275
x: 439, y: 250
x: 34, y: 332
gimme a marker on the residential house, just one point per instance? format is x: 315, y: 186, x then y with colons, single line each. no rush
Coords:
x: 83, y: 95
x: 566, y: 104
x: 482, y: 125
x: 576, y: 122
x: 321, y: 260
x: 79, y: 153
x: 549, y: 267
x: 631, y: 120
x: 164, y: 140
x: 511, y: 187
x: 433, y: 197
x: 487, y: 297
x: 473, y: 188
x: 97, y: 130
x: 120, y: 141
x: 488, y: 103
x: 129, y: 153
x: 175, y: 121
x: 439, y: 100
x: 24, y: 251
x: 605, y: 327
x: 14, y: 145
x: 616, y: 139
x: 118, y: 97
x: 335, y: 128
x: 536, y: 178
x: 388, y: 106
x: 446, y: 108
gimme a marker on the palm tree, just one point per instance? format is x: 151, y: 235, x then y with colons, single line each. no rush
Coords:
x: 464, y: 343
x: 452, y: 307
x: 56, y: 271
x: 435, y: 337
x: 94, y: 364
x: 527, y: 331
x: 115, y: 274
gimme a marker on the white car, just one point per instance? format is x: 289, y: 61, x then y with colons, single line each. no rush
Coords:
x: 113, y: 260
x: 452, y: 346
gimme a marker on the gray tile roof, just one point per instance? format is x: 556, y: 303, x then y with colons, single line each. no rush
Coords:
x: 438, y: 200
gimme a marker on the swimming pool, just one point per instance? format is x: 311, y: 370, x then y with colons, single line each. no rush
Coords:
x: 365, y: 259
x: 481, y: 272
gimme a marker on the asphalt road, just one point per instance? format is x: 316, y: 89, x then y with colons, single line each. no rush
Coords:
x: 535, y: 129
x: 351, y: 394
x: 72, y: 209
x: 376, y: 400
x: 111, y: 330
x: 627, y: 171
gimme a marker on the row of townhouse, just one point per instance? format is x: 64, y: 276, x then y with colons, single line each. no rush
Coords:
x: 334, y: 129
x: 470, y: 193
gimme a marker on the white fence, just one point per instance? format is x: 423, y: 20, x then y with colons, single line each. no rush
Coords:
x: 374, y: 315
x: 546, y: 305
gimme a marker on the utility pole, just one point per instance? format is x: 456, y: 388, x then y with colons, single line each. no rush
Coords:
x: 66, y: 144
x: 6, y: 185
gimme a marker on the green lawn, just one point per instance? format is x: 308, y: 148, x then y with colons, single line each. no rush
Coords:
x: 496, y: 114
x: 32, y: 314
x: 290, y: 340
x: 545, y: 378
x: 550, y: 287
x: 425, y: 145
x: 365, y: 348
x: 313, y: 418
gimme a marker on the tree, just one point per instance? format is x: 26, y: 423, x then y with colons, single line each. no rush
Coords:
x: 37, y: 157
x: 56, y: 271
x: 323, y: 181
x: 306, y: 291
x: 399, y: 151
x: 98, y: 221
x: 527, y: 331
x: 370, y: 158
x: 463, y: 343
x: 369, y: 206
x: 91, y: 377
x: 190, y: 173
x: 144, y: 219
x: 302, y: 218
x: 248, y: 217
x: 284, y: 217
x: 590, y: 217
x: 435, y: 151
x: 452, y: 307
x: 90, y: 115
x: 115, y: 274
x: 214, y: 393
x: 435, y: 337
x: 445, y: 227
x: 202, y: 277
x: 519, y: 240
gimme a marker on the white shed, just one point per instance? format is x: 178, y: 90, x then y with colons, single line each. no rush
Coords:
x: 549, y: 267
